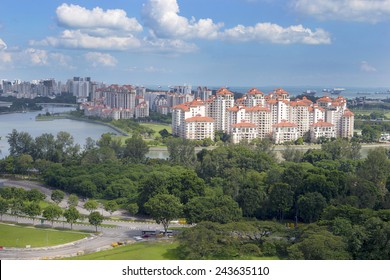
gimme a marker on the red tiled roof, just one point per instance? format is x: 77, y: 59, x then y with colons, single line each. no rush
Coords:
x: 285, y: 123
x: 257, y: 108
x: 348, y: 113
x: 233, y: 109
x: 182, y: 107
x: 254, y: 91
x: 321, y: 123
x: 199, y: 119
x: 244, y: 124
x: 224, y: 91
x: 196, y: 103
x: 325, y: 99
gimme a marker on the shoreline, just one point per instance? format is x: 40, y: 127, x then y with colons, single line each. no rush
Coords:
x: 67, y: 116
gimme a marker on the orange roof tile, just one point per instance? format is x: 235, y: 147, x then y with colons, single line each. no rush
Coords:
x: 321, y: 123
x: 199, y: 119
x: 196, y: 103
x: 285, y: 123
x: 254, y: 91
x: 348, y: 113
x: 223, y: 91
x: 182, y: 107
x: 325, y: 99
x: 244, y: 124
x: 233, y: 109
x: 257, y: 108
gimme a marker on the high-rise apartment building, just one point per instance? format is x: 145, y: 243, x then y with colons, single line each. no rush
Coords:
x: 258, y: 116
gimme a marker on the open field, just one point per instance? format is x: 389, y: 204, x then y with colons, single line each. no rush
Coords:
x: 157, y: 127
x: 18, y: 236
x: 367, y: 112
x: 159, y: 250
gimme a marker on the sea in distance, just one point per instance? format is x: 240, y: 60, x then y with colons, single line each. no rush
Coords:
x: 349, y: 92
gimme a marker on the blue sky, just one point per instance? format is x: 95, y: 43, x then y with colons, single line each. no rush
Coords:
x: 198, y: 42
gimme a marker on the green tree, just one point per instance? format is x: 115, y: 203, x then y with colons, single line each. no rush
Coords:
x: 95, y: 219
x: 16, y: 207
x: 57, y: 196
x: 370, y: 134
x: 23, y: 163
x: 321, y: 245
x: 73, y: 200
x: 376, y: 168
x: 136, y: 149
x: 292, y: 154
x: 65, y: 147
x: 281, y: 198
x: 250, y: 200
x: 132, y: 208
x: 72, y: 215
x: 4, y: 206
x: 342, y: 149
x: 45, y: 147
x: 20, y: 143
x: 52, y: 212
x: 310, y: 206
x: 221, y: 209
x: 34, y: 195
x: 33, y: 210
x: 111, y: 206
x: 164, y: 208
x: 181, y: 151
x: 91, y: 205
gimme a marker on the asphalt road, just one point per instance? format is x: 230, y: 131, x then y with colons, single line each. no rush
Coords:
x: 118, y: 232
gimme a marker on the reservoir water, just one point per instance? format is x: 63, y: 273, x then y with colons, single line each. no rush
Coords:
x: 26, y: 122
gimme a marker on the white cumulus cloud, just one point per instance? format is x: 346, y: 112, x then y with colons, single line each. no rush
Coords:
x: 77, y: 17
x: 36, y: 56
x: 269, y: 32
x: 348, y: 10
x: 5, y: 58
x: 78, y: 39
x: 168, y: 45
x: 94, y: 29
x: 163, y: 19
x: 101, y: 59
x: 3, y: 45
x: 366, y: 67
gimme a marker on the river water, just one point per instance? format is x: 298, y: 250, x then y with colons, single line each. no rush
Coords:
x: 26, y: 122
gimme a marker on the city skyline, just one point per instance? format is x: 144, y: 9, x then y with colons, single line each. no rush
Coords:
x: 216, y: 43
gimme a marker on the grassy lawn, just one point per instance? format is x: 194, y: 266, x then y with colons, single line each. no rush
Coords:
x: 367, y: 112
x: 157, y: 127
x: 159, y: 250
x: 17, y: 236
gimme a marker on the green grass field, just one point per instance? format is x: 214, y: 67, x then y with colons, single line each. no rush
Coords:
x: 19, y: 236
x: 157, y: 127
x: 138, y: 251
x: 369, y: 111
x: 154, y: 126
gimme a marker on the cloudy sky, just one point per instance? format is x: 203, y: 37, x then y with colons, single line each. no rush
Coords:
x: 198, y: 42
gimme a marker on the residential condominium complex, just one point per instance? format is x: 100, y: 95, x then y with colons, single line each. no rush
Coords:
x: 257, y: 115
x: 117, y: 102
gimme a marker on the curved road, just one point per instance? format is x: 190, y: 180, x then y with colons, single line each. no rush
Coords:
x: 120, y: 231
